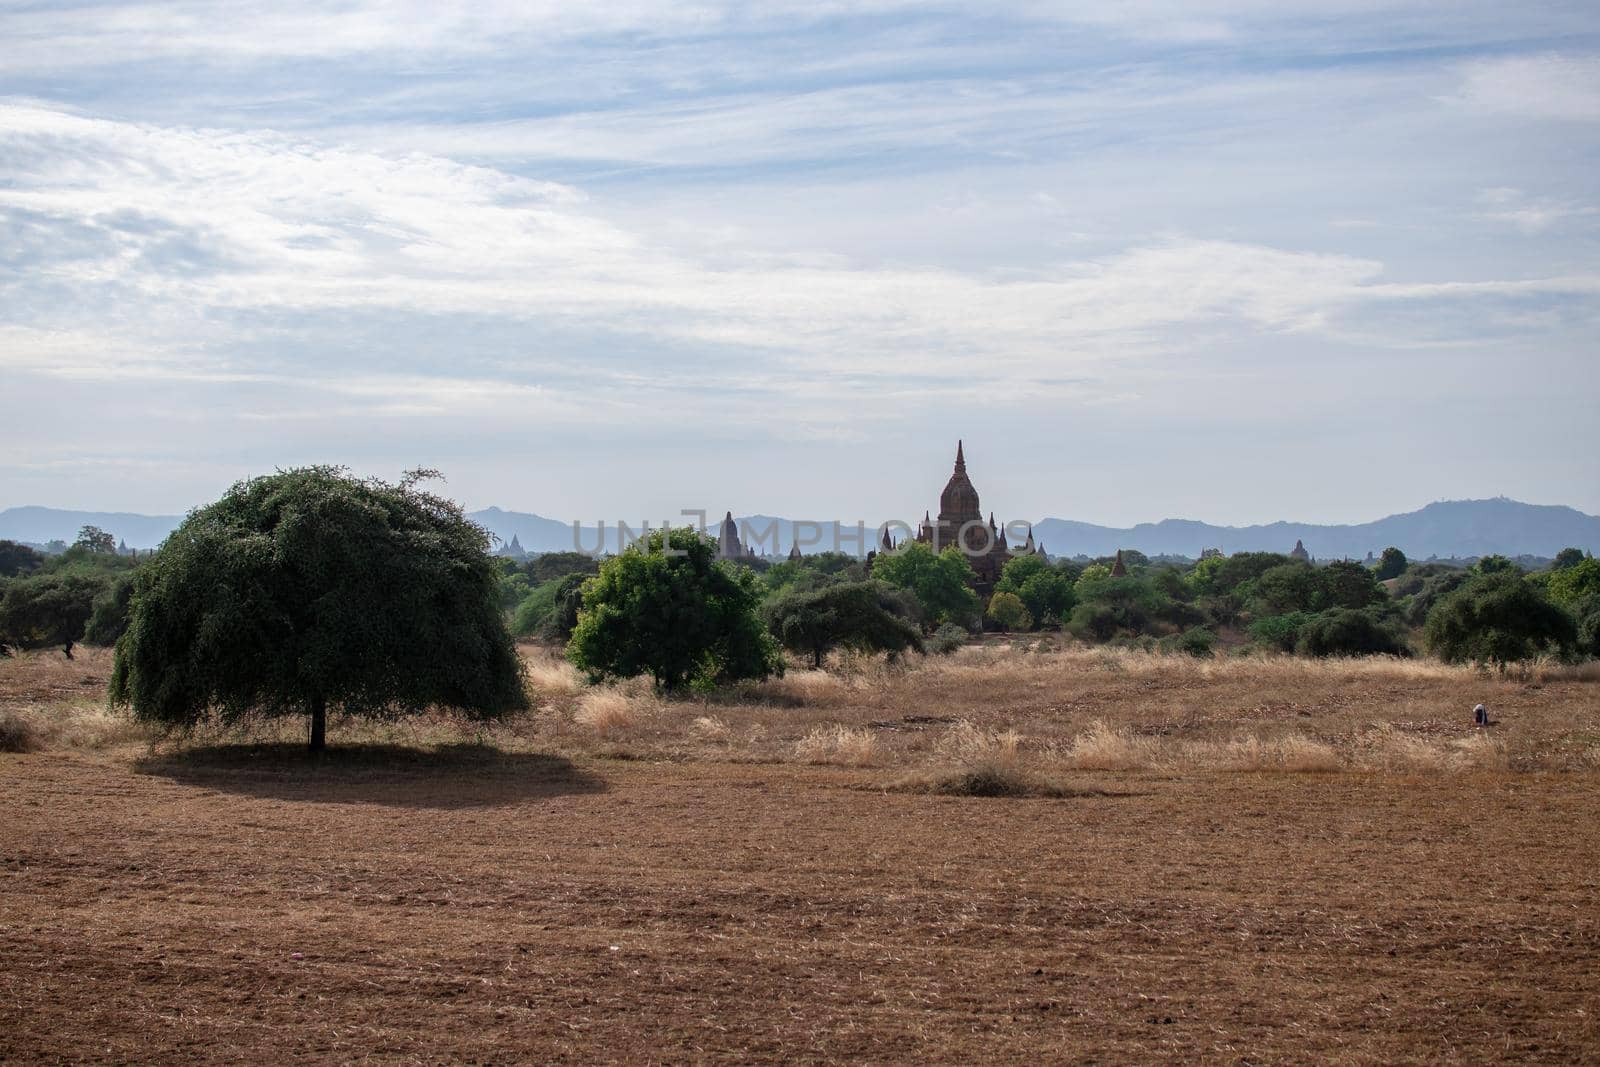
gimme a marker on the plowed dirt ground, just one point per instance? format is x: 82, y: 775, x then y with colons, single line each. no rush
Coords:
x: 474, y: 906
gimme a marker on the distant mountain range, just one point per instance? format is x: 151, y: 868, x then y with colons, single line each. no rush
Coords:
x: 1454, y: 528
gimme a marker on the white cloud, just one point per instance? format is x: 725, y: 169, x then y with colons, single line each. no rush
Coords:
x: 1550, y: 86
x: 286, y: 226
x: 1531, y: 215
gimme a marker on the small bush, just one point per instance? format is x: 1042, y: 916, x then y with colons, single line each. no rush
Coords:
x: 1196, y: 641
x: 19, y: 732
x: 1281, y: 632
x: 946, y: 639
x: 1349, y: 632
x: 988, y: 780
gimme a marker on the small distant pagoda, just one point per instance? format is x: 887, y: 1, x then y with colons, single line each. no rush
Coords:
x: 729, y: 547
x: 1299, y: 551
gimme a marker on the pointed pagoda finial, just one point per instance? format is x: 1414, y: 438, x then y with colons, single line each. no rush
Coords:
x: 961, y: 459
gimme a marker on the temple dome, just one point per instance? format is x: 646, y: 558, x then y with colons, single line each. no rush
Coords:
x: 959, y: 501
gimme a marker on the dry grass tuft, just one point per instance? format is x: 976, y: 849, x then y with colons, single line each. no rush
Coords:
x: 986, y: 780
x: 553, y: 677
x: 710, y: 729
x: 850, y: 746
x: 606, y: 711
x: 808, y: 688
x: 1294, y: 752
x: 19, y: 732
x: 1104, y: 748
x: 979, y: 762
x: 35, y: 728
x: 1389, y: 749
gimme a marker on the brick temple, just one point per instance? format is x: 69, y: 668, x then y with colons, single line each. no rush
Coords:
x: 961, y: 521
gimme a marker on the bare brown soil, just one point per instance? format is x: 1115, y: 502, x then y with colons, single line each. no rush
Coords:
x: 411, y: 902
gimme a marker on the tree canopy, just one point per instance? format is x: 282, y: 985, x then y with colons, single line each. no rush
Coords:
x: 1391, y: 564
x: 940, y: 582
x: 1498, y: 618
x: 44, y: 610
x: 95, y: 540
x: 17, y: 559
x: 1007, y: 611
x: 309, y: 590
x: 1570, y: 584
x: 863, y: 616
x: 665, y: 607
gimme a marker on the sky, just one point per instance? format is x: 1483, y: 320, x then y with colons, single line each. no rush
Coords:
x: 1230, y: 260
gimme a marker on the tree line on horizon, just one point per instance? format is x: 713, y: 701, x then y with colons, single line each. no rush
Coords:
x: 311, y: 592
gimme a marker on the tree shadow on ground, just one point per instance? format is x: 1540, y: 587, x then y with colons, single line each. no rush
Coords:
x: 449, y: 776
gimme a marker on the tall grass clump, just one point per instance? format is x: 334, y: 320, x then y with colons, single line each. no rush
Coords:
x: 606, y: 711
x: 851, y: 746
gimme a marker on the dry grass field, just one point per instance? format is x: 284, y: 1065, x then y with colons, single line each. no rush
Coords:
x: 1238, y: 860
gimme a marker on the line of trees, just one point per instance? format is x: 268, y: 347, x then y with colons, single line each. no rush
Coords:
x: 313, y: 593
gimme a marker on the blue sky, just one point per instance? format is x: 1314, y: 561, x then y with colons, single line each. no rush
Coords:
x: 1221, y: 259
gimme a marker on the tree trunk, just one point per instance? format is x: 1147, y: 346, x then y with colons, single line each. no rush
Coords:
x: 319, y: 725
x: 816, y: 658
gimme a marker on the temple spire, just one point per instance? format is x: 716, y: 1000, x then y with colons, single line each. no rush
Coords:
x: 961, y: 459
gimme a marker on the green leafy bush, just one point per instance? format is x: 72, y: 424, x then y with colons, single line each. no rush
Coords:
x: 1499, y: 618
x: 679, y: 616
x: 1196, y: 641
x: 863, y: 616
x: 941, y: 583
x: 1349, y: 632
x: 1281, y: 632
x: 946, y: 639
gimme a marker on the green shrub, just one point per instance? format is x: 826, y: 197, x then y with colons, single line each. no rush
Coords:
x: 862, y: 616
x: 946, y: 639
x: 1281, y: 632
x: 1007, y: 611
x: 1499, y: 618
x: 1349, y: 632
x: 1196, y: 641
x: 679, y: 616
x: 108, y: 618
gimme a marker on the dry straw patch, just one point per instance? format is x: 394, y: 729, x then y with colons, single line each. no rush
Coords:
x: 710, y: 729
x: 36, y: 728
x: 607, y: 712
x: 850, y: 746
x: 550, y: 677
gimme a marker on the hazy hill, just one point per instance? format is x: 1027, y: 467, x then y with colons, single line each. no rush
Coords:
x: 1449, y: 529
x: 40, y: 526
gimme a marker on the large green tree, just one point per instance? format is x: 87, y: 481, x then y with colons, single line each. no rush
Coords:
x: 95, y: 540
x: 665, y: 607
x: 1498, y: 618
x: 1350, y: 632
x: 1391, y: 564
x: 862, y: 616
x: 941, y: 583
x: 43, y: 610
x: 17, y: 559
x: 1046, y: 592
x: 310, y: 591
x: 1571, y: 584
